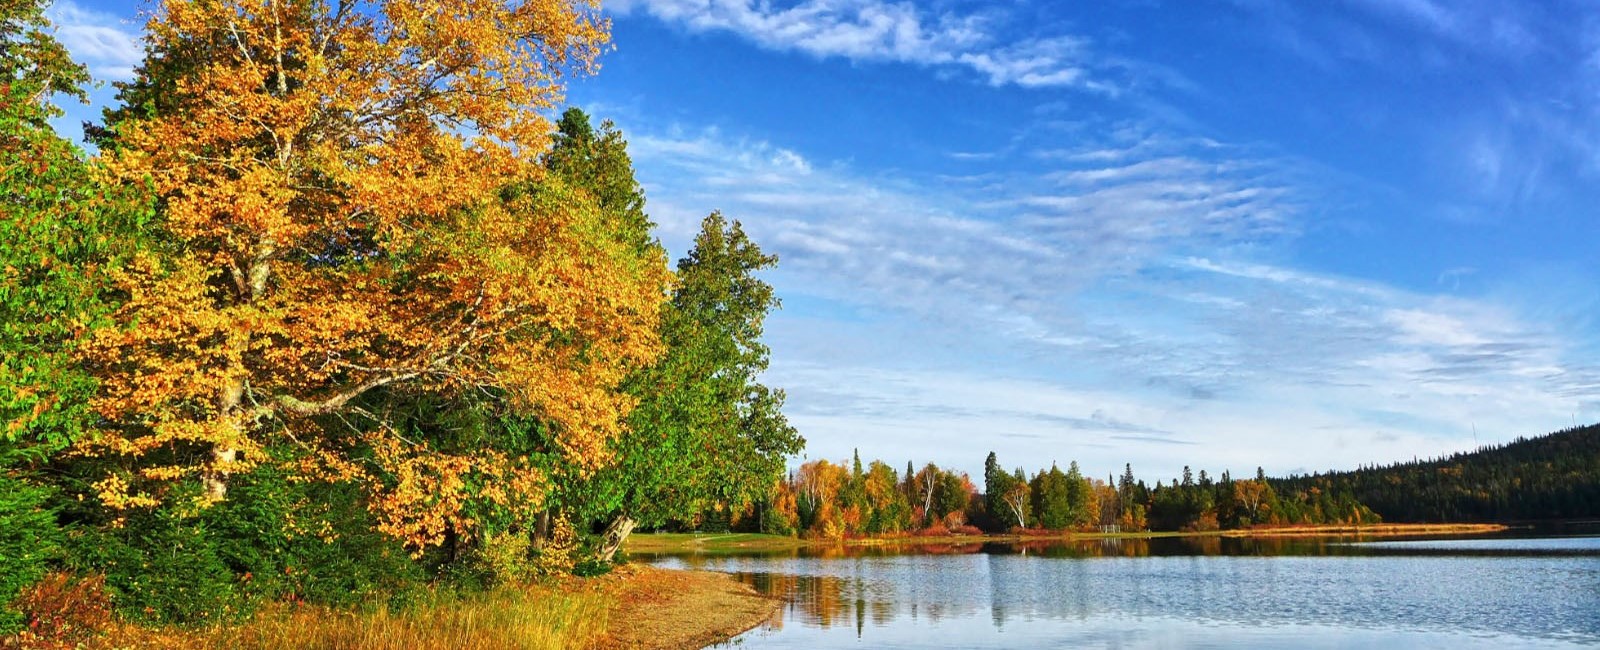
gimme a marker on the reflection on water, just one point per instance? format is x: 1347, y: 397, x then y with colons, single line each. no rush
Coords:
x: 1218, y: 592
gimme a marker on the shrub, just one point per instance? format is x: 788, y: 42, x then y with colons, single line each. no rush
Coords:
x: 160, y: 567
x: 62, y: 611
x: 505, y: 558
x: 777, y: 522
x: 272, y: 539
x: 558, y: 554
x: 29, y: 540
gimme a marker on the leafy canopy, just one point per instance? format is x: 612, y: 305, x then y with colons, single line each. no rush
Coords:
x: 354, y: 205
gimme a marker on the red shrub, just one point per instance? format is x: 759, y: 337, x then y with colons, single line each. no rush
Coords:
x: 62, y: 611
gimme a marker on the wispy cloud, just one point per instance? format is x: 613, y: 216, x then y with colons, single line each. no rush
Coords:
x: 1125, y: 274
x: 106, y: 43
x: 897, y: 32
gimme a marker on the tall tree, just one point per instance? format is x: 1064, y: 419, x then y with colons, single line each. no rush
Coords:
x: 597, y: 161
x: 351, y: 195
x: 61, y: 233
x: 1051, y: 499
x: 890, y: 513
x: 999, y: 489
x: 1080, y: 496
x: 706, y: 430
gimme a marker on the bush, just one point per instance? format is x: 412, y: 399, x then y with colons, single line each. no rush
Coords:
x: 558, y: 554
x: 776, y: 522
x: 272, y: 539
x: 160, y: 567
x: 310, y: 542
x: 62, y: 611
x: 29, y: 540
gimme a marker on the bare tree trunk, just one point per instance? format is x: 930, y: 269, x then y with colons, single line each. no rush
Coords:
x: 1016, y: 508
x: 541, y: 530
x: 616, y: 532
x: 216, y: 482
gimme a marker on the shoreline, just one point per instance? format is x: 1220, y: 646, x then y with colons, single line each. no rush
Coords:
x: 732, y: 542
x: 672, y: 609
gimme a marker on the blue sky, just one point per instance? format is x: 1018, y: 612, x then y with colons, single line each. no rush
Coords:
x: 1293, y: 235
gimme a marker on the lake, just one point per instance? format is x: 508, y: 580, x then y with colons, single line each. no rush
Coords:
x: 1495, y: 592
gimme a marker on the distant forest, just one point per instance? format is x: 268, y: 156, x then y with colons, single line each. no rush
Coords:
x: 1552, y: 477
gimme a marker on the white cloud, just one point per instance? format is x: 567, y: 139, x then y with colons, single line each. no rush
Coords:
x: 897, y: 32
x: 1427, y: 328
x: 104, y: 42
x: 1121, y: 281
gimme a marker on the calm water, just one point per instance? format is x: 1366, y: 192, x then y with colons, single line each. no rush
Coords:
x: 1472, y: 593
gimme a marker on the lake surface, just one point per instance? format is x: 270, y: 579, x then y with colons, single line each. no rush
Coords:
x: 1499, y: 592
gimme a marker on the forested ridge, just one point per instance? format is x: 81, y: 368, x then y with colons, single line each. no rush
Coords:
x: 1550, y: 477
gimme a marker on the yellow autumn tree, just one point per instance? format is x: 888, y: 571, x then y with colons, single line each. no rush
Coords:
x: 352, y: 204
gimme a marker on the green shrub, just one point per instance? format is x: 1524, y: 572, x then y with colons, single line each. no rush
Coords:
x: 29, y: 540
x: 312, y: 542
x: 161, y: 567
x: 271, y: 539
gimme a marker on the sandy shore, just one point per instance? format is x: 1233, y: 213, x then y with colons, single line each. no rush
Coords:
x: 660, y: 609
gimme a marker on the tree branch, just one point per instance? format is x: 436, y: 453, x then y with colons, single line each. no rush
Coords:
x: 299, y: 406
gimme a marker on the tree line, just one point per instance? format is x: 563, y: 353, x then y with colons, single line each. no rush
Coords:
x: 829, y: 500
x: 335, y: 308
x: 1548, y: 478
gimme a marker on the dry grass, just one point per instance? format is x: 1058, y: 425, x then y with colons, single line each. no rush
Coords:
x: 651, y: 608
x: 531, y: 617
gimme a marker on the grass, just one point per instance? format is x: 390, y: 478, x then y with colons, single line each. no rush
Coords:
x: 524, y: 617
x: 629, y: 608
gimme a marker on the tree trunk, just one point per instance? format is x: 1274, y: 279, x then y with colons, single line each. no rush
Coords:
x: 541, y: 530
x: 616, y: 532
x: 251, y: 282
x: 1016, y: 508
x: 222, y: 456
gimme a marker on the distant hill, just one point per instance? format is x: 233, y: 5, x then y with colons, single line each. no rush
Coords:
x: 1552, y: 477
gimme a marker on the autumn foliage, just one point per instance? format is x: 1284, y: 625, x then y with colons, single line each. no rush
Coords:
x: 352, y: 204
x: 335, y: 310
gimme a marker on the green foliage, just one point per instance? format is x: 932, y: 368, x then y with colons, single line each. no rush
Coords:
x: 590, y: 568
x: 953, y: 494
x: 705, y: 432
x: 1549, y: 477
x: 1051, y: 502
x: 29, y: 541
x: 996, y: 484
x: 272, y: 539
x: 162, y: 567
x: 60, y: 234
x: 597, y: 160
